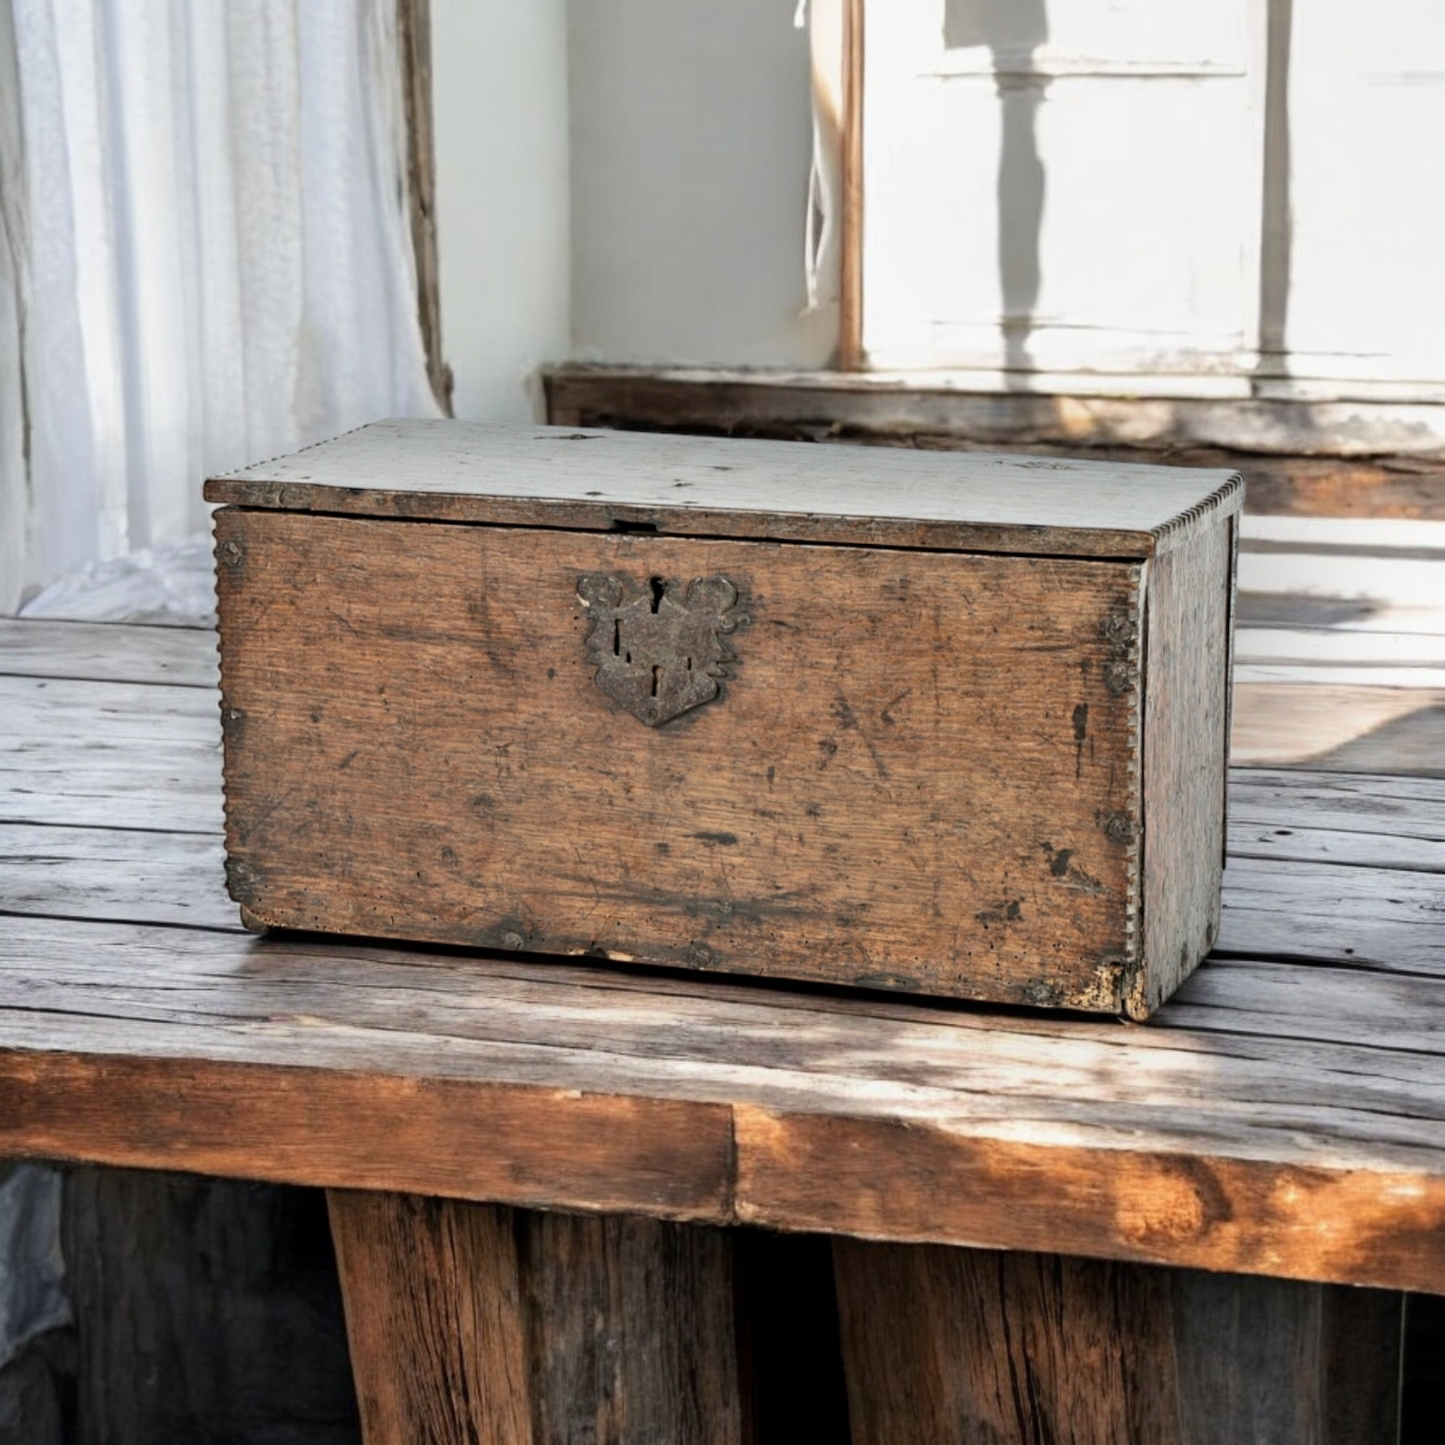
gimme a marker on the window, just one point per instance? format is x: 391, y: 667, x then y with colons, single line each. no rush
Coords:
x: 1227, y: 199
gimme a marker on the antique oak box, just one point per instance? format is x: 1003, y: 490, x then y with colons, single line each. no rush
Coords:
x: 942, y: 722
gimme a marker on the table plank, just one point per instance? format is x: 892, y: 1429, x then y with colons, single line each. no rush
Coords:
x: 1349, y: 802
x: 1377, y: 917
x: 158, y: 991
x: 1383, y: 918
x: 1360, y: 818
x: 1324, y: 845
x: 1276, y: 1117
x: 1273, y: 1000
x: 108, y: 652
x: 347, y: 1065
x: 124, y: 875
x: 110, y: 754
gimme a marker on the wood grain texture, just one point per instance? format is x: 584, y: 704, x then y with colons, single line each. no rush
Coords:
x: 1283, y: 1116
x: 1366, y: 917
x: 1274, y: 1117
x: 850, y: 221
x: 414, y: 35
x: 108, y: 652
x: 1271, y: 1359
x: 1185, y: 748
x: 110, y: 753
x: 970, y: 1347
x: 1275, y: 999
x: 1365, y: 820
x: 1281, y: 1145
x: 922, y: 777
x: 668, y: 1159
x: 434, y: 1315
x: 532, y: 1023
x: 481, y: 1325
x: 975, y: 1347
x: 1269, y: 440
x: 1366, y: 803
x: 632, y: 1330
x: 115, y: 874
x: 912, y: 1183
x: 450, y: 471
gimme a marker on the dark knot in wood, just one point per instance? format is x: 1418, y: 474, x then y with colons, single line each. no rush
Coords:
x: 660, y: 649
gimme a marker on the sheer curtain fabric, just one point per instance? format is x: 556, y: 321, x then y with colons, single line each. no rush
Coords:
x: 210, y: 263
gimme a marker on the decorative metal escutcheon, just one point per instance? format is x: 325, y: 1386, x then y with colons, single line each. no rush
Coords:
x: 660, y: 649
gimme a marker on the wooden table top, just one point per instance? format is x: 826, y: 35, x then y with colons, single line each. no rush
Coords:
x: 1284, y: 1114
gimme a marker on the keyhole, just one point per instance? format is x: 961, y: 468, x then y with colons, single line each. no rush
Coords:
x: 658, y: 588
x: 616, y: 638
x: 656, y: 674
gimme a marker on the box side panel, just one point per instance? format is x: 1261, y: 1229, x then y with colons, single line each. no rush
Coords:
x: 920, y: 771
x: 1186, y: 740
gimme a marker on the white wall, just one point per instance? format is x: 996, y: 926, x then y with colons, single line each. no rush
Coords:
x: 499, y: 90
x: 1241, y: 198
x: 1366, y: 281
x: 1059, y: 185
x: 1072, y: 189
x: 691, y: 132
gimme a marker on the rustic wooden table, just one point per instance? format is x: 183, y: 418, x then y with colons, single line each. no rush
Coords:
x: 1043, y: 1228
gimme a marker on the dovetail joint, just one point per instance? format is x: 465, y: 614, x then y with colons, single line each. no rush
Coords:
x: 1126, y: 827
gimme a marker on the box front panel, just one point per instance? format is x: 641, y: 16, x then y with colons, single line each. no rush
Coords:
x: 896, y: 769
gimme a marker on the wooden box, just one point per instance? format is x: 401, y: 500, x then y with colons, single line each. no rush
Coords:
x: 942, y: 722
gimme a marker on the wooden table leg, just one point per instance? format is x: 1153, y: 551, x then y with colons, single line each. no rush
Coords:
x: 205, y: 1310
x: 474, y: 1324
x: 982, y: 1347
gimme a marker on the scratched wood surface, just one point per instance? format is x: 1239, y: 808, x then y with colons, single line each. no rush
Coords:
x: 452, y: 471
x: 973, y: 1347
x: 518, y: 1327
x: 879, y: 797
x: 1185, y: 751
x: 904, y: 410
x: 1278, y: 1116
x: 1282, y: 1115
x: 125, y: 754
x: 107, y: 652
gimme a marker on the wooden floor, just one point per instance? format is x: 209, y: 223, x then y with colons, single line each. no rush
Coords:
x: 1284, y: 1115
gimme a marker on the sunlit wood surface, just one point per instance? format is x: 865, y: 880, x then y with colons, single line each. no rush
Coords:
x: 1285, y: 1114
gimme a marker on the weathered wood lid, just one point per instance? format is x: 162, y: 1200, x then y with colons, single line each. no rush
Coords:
x: 590, y: 480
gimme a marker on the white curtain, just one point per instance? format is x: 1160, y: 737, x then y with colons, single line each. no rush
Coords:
x: 212, y: 258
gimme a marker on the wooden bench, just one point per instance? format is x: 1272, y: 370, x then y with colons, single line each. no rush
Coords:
x: 1041, y: 1228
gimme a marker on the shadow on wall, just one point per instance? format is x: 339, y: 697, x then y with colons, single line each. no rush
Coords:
x: 1012, y: 30
x: 1276, y: 217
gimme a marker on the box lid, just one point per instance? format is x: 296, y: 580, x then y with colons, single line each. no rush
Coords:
x: 593, y: 480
